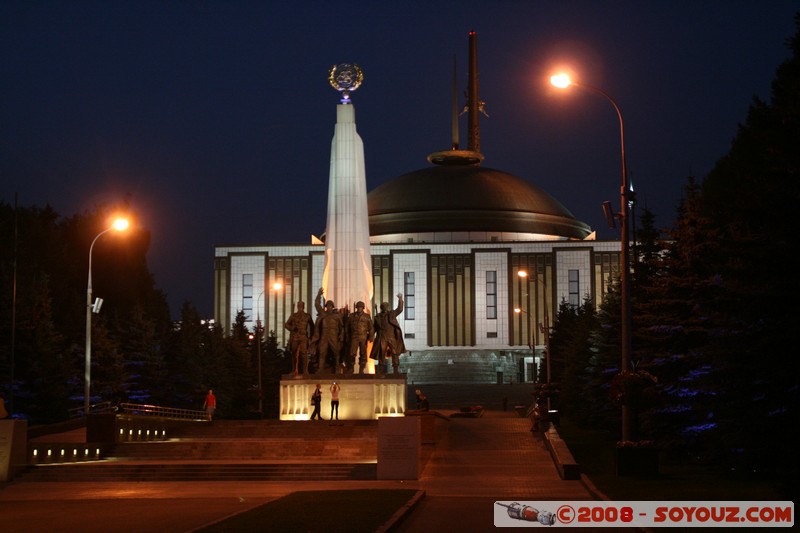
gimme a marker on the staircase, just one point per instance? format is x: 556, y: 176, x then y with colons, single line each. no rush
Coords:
x: 235, y: 450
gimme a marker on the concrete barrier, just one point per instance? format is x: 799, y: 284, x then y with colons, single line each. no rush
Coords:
x: 566, y: 465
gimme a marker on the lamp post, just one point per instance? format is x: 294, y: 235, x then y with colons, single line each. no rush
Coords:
x: 544, y: 328
x: 276, y: 286
x: 563, y: 81
x: 259, y: 333
x: 120, y: 224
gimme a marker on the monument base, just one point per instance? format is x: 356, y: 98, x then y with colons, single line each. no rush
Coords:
x: 361, y: 396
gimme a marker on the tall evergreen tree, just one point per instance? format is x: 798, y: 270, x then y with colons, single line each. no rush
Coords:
x: 750, y: 197
x: 675, y: 324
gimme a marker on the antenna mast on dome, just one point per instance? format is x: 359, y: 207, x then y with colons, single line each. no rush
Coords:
x: 473, y: 128
x: 471, y: 156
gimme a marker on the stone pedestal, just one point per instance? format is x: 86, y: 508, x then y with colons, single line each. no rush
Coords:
x: 13, y: 448
x: 361, y: 397
x: 399, y: 447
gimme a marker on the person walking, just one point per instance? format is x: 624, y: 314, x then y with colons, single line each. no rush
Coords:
x: 210, y: 404
x: 316, y: 400
x: 335, y: 399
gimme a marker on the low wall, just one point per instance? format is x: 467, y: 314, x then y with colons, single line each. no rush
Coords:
x: 566, y: 465
x: 13, y: 444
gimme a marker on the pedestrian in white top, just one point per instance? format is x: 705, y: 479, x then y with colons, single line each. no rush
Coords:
x: 335, y: 400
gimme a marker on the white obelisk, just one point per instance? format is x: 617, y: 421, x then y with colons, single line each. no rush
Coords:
x: 347, y: 276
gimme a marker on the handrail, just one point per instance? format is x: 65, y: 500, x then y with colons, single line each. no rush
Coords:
x: 102, y: 407
x: 156, y: 410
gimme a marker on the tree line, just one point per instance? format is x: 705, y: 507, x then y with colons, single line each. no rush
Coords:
x: 139, y: 354
x: 713, y: 379
x: 714, y: 375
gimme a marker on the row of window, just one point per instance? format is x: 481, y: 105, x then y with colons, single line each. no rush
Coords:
x: 409, y: 289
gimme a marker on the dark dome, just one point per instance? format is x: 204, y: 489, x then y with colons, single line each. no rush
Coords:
x: 467, y: 198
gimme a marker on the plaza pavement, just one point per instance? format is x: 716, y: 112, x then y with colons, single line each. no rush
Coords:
x: 474, y: 463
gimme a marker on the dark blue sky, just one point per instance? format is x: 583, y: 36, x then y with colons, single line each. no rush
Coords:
x: 217, y: 117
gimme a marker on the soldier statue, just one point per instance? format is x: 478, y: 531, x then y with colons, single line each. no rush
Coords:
x: 301, y: 327
x: 329, y: 332
x: 360, y: 331
x: 388, y: 336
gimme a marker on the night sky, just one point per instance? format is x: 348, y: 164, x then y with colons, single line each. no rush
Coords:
x: 217, y: 117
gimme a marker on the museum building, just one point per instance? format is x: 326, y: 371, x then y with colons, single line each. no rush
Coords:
x: 482, y: 257
x: 453, y: 238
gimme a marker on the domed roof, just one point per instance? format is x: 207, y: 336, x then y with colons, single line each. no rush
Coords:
x: 467, y: 198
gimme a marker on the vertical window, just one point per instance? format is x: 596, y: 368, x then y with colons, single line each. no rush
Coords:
x: 574, y: 288
x: 247, y: 296
x: 491, y: 294
x: 410, y: 291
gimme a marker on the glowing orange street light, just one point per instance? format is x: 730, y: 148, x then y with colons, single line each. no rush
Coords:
x: 276, y: 286
x: 119, y: 224
x: 563, y: 81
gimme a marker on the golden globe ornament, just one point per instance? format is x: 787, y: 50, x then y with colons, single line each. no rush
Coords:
x: 345, y: 78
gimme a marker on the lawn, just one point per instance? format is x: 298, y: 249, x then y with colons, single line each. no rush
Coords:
x: 352, y: 511
x: 594, y: 451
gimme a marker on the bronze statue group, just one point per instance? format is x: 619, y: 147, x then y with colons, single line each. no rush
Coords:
x: 337, y: 336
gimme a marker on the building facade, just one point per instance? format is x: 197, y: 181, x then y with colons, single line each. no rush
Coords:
x: 459, y: 320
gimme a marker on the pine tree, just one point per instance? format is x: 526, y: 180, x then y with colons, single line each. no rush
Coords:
x: 674, y: 327
x: 750, y: 197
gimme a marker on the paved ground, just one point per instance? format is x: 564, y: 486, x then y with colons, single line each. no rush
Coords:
x: 480, y: 461
x: 474, y: 463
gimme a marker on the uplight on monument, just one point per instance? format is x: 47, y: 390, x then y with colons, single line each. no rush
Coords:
x: 347, y: 274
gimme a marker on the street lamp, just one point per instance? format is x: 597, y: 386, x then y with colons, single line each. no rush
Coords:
x: 119, y: 224
x: 563, y: 81
x: 544, y: 328
x: 258, y: 354
x: 276, y: 286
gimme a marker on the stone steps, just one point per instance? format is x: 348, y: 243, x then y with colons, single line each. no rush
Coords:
x: 258, y: 450
x: 112, y: 471
x: 456, y: 367
x: 230, y: 450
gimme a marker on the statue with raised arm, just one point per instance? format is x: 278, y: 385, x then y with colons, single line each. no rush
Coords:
x: 329, y: 332
x: 360, y: 330
x: 388, y: 336
x: 300, y: 327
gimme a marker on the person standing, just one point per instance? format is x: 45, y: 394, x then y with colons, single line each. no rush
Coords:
x: 301, y: 328
x: 335, y: 400
x: 423, y: 403
x: 360, y: 330
x: 388, y: 336
x: 210, y: 404
x: 316, y: 401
